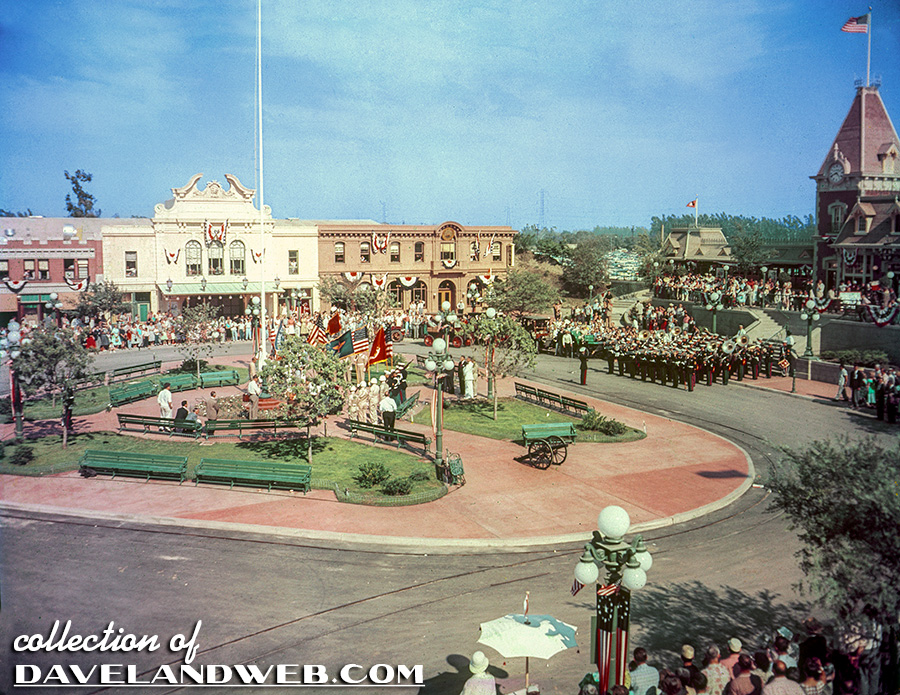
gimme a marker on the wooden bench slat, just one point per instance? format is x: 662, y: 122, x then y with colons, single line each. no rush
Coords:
x: 267, y: 474
x: 127, y: 463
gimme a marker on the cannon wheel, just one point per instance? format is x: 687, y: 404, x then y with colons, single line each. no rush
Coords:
x: 396, y: 335
x: 456, y: 341
x: 559, y: 449
x: 429, y: 340
x: 540, y: 453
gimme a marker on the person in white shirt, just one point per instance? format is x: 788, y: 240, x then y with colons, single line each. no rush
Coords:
x: 254, y: 390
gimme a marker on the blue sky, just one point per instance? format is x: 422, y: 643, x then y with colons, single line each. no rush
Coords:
x: 424, y: 111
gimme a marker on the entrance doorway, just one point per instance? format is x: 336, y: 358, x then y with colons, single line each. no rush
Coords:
x: 446, y: 293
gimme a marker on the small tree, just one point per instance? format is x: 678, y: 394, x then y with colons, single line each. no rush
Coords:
x: 83, y: 206
x: 101, y: 299
x: 522, y: 292
x: 747, y: 249
x: 368, y: 300
x: 508, y: 348
x: 50, y: 362
x: 200, y: 332
x: 587, y: 263
x: 844, y: 498
x: 308, y: 380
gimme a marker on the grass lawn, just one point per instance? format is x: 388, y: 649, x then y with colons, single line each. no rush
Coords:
x: 477, y: 417
x: 335, y: 461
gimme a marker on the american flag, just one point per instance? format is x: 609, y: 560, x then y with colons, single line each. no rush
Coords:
x: 576, y: 586
x: 612, y: 603
x: 857, y: 25
x: 360, y: 338
x: 317, y: 332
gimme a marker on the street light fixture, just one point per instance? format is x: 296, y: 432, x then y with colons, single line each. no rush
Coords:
x: 626, y: 571
x: 810, y: 315
x: 169, y: 284
x: 13, y: 342
x: 245, y: 282
x: 591, y: 290
x: 439, y: 362
x: 202, y: 283
x: 715, y: 307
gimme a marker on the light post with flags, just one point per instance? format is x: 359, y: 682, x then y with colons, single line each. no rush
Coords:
x: 625, y: 571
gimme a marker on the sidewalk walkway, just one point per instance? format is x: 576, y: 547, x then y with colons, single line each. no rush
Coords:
x: 678, y: 472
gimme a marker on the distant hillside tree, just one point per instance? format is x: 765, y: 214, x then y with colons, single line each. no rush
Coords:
x: 522, y: 292
x: 9, y: 213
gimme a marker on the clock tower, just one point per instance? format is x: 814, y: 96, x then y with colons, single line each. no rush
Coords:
x: 857, y: 187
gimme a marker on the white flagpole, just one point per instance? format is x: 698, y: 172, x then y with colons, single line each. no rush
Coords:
x: 869, y: 53
x: 697, y: 212
x: 262, y: 238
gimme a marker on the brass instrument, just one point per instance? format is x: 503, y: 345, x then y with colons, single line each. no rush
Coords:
x: 676, y: 331
x: 743, y: 341
x: 728, y: 347
x: 644, y: 335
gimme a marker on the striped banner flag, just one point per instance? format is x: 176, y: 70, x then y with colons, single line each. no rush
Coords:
x: 360, y: 338
x: 317, y: 332
x: 576, y: 586
x: 857, y: 25
x: 606, y: 610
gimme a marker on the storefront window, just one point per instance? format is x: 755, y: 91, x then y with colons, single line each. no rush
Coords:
x: 131, y: 269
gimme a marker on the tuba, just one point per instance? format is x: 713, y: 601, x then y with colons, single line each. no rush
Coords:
x: 743, y: 341
x: 676, y: 331
x: 728, y: 347
x: 644, y: 335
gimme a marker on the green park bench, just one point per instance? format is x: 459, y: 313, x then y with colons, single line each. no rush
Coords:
x: 166, y: 425
x: 226, y: 377
x: 574, y: 404
x: 526, y: 392
x: 396, y: 435
x: 215, y: 427
x: 128, y: 393
x: 178, y: 382
x: 125, y: 372
x: 128, y: 463
x: 406, y: 406
x: 267, y: 474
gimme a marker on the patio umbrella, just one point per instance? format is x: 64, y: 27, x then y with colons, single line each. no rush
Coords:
x: 540, y: 636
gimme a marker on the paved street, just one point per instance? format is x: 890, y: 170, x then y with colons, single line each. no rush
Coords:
x: 270, y: 599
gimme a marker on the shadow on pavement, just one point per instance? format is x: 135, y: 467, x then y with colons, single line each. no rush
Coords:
x: 447, y: 683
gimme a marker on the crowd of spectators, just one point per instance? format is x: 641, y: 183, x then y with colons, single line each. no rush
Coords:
x: 857, y: 662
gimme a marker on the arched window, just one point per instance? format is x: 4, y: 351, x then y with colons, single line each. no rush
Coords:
x: 236, y: 254
x: 339, y: 252
x: 193, y: 256
x: 216, y: 258
x: 365, y: 255
x: 420, y: 251
x: 395, y: 252
x: 838, y: 212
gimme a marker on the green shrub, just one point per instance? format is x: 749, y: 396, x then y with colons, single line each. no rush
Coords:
x: 592, y: 420
x: 864, y: 358
x: 21, y: 455
x: 397, y: 486
x: 420, y: 475
x: 371, y: 474
x: 190, y: 366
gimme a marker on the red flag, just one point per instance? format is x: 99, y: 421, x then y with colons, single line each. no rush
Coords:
x: 382, y: 348
x: 857, y: 25
x: 693, y: 203
x: 334, y: 324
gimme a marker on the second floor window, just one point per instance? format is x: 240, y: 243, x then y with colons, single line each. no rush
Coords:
x: 131, y: 269
x: 69, y: 268
x: 339, y: 252
x: 293, y: 262
x: 420, y: 252
x: 216, y: 258
x: 448, y: 250
x: 82, y: 266
x: 28, y: 270
x: 4, y: 270
x: 236, y: 253
x: 497, y: 251
x: 395, y: 252
x: 43, y: 270
x: 365, y: 255
x: 193, y: 254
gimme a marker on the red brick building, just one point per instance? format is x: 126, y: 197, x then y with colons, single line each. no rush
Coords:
x: 417, y: 263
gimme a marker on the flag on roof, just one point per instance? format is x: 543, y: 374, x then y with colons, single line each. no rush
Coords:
x: 857, y: 25
x: 317, y: 332
x: 693, y: 203
x: 382, y: 347
x: 342, y: 345
x: 360, y: 339
x: 334, y: 324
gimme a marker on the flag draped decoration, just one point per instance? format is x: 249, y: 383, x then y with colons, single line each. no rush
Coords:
x: 15, y: 285
x: 354, y: 276
x: 408, y: 280
x: 380, y: 243
x: 613, y: 604
x: 278, y: 338
x: 449, y: 264
x: 317, y: 332
x: 850, y: 256
x: 173, y: 257
x: 882, y: 317
x: 215, y: 232
x: 257, y: 256
x: 382, y: 348
x: 342, y: 345
x: 78, y: 286
x: 857, y: 25
x: 360, y: 340
x: 334, y: 324
x: 822, y: 304
x: 379, y: 282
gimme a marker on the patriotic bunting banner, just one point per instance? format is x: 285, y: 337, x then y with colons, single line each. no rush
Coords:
x: 379, y: 282
x: 79, y: 286
x: 487, y: 279
x: 882, y: 317
x: 449, y: 264
x: 257, y: 256
x: 215, y: 232
x: 408, y: 280
x: 15, y: 285
x: 354, y: 276
x: 850, y: 256
x: 822, y: 304
x: 173, y: 257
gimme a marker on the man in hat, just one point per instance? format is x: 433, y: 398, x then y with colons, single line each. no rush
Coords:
x: 687, y: 660
x: 480, y: 682
x: 734, y: 653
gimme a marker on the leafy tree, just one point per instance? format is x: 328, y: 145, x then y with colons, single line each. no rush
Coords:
x: 508, y: 348
x: 101, y: 299
x: 308, y: 380
x: 84, y: 201
x: 200, y: 332
x: 844, y: 498
x: 9, y: 213
x: 367, y: 300
x: 747, y: 249
x: 587, y: 262
x: 50, y: 361
x: 522, y: 292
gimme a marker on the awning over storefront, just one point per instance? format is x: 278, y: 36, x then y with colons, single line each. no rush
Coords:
x: 192, y: 288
